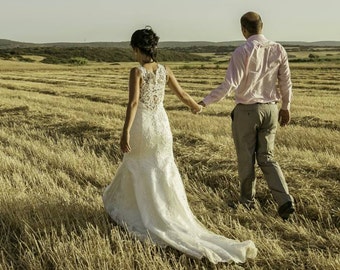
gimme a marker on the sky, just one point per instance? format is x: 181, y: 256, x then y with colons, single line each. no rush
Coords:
x: 44, y: 21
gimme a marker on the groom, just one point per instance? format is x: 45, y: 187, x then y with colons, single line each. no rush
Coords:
x: 259, y: 75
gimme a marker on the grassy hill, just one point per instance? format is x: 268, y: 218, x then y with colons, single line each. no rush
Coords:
x: 80, y: 53
x: 64, y: 55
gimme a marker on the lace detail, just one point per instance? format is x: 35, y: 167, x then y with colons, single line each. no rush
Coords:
x: 152, y: 89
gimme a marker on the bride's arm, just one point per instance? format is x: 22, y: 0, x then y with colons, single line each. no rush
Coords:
x: 181, y: 94
x: 134, y: 85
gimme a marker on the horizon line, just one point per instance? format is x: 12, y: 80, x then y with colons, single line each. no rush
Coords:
x: 178, y: 41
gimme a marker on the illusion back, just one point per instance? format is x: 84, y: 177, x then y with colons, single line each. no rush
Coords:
x: 152, y: 88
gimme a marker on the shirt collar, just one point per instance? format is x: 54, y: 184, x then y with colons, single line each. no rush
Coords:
x: 258, y: 37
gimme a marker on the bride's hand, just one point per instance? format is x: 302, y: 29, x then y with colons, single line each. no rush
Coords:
x: 125, y: 143
x: 197, y: 111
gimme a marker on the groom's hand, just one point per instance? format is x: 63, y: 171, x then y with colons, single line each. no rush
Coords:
x: 202, y: 103
x: 284, y: 117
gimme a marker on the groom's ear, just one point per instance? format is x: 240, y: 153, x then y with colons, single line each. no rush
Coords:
x: 244, y: 32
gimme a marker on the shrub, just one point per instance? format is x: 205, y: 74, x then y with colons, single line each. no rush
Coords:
x: 313, y: 56
x: 79, y: 61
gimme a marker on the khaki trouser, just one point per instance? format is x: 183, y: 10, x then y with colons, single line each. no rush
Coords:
x: 254, y: 128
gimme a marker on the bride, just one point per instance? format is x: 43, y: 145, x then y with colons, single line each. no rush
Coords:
x: 147, y: 195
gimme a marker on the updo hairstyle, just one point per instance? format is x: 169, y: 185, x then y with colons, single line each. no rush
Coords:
x: 146, y: 40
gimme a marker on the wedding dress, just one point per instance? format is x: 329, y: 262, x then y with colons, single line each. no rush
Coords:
x: 147, y: 195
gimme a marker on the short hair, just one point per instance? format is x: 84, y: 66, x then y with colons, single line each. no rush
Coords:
x: 252, y: 22
x: 146, y: 40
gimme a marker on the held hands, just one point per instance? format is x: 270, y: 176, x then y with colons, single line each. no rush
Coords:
x: 201, y: 106
x: 197, y: 110
x: 202, y: 103
x: 284, y: 117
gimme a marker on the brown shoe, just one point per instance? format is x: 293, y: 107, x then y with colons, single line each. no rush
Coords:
x: 286, y: 210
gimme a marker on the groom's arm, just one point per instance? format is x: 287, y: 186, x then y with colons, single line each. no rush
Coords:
x: 232, y: 79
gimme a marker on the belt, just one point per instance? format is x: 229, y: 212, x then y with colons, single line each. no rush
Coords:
x: 272, y: 102
x: 268, y: 103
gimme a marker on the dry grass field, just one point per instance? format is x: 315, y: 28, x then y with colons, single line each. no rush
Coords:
x: 59, y: 147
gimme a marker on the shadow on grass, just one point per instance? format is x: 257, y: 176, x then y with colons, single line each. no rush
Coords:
x: 13, y: 110
x: 34, y: 225
x: 35, y: 228
x: 315, y: 122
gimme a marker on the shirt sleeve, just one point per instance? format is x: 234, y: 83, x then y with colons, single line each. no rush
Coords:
x: 284, y: 81
x: 232, y: 79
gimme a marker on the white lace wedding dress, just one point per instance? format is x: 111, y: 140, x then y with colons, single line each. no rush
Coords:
x: 147, y: 195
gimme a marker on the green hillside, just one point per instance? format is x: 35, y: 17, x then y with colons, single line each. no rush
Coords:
x: 62, y: 55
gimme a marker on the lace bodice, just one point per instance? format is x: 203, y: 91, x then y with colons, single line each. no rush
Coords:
x: 153, y: 85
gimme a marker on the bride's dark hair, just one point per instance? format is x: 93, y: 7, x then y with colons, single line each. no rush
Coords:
x: 146, y: 40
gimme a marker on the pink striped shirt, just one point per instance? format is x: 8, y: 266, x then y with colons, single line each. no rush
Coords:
x: 258, y: 72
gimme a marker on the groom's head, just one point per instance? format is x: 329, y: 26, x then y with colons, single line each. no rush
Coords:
x: 251, y: 24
